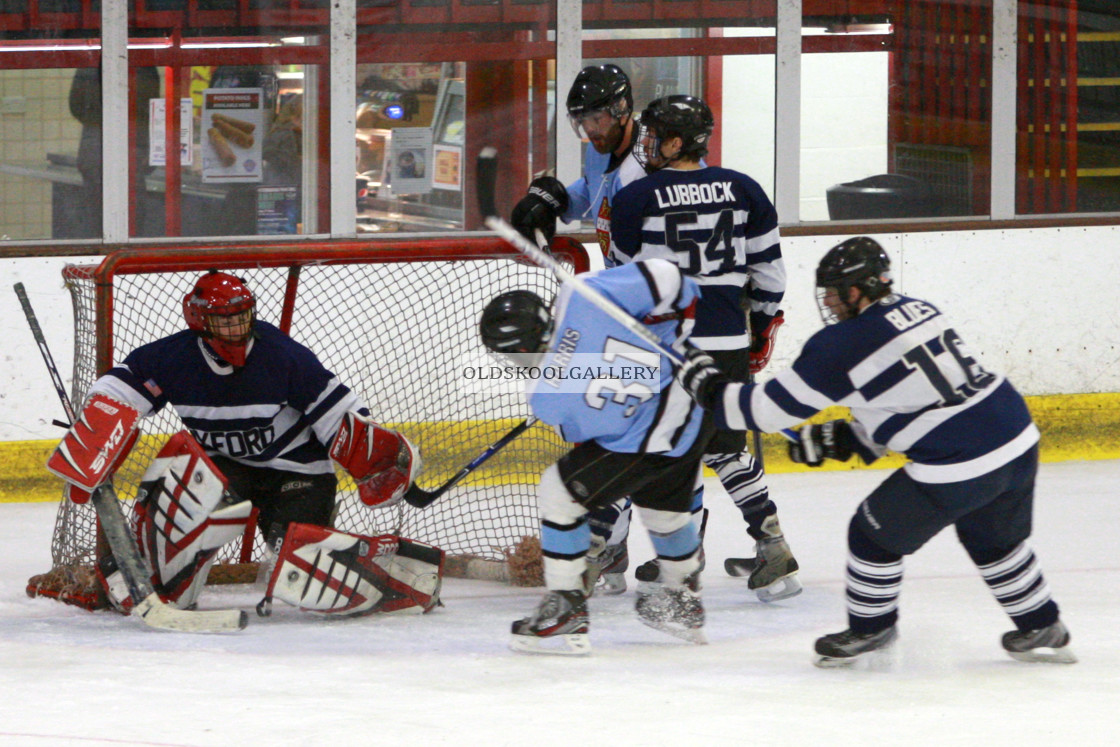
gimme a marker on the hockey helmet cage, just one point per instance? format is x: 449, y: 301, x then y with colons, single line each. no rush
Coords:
x: 221, y: 309
x: 516, y: 322
x: 859, y: 262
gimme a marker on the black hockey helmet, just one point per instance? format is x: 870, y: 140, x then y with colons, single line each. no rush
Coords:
x: 686, y: 117
x: 858, y: 262
x: 516, y: 322
x: 599, y: 88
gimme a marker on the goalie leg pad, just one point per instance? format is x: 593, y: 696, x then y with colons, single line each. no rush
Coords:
x: 185, y: 515
x: 324, y: 570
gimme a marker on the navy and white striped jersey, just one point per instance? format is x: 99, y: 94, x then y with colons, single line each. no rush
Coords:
x: 719, y: 226
x: 635, y: 412
x: 912, y: 386
x: 280, y: 410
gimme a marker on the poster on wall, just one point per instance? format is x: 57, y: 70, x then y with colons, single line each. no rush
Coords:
x: 411, y: 155
x: 447, y: 167
x: 277, y: 210
x: 157, y: 126
x: 232, y: 128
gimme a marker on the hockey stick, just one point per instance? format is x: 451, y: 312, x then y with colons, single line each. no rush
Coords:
x: 756, y: 436
x: 41, y: 341
x: 486, y: 181
x: 604, y: 304
x: 415, y: 496
x: 149, y: 607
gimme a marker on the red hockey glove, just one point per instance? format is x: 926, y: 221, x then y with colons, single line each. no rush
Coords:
x: 762, y: 345
x: 95, y: 446
x: 382, y: 462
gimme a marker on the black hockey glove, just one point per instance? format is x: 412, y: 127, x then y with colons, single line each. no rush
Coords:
x: 538, y: 210
x: 831, y: 440
x: 701, y: 378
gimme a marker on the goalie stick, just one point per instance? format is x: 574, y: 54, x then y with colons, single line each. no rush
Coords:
x: 424, y: 498
x: 149, y: 607
x: 41, y: 341
x: 604, y: 304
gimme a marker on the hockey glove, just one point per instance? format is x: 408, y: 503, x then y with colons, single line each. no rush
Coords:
x: 831, y: 440
x: 95, y: 446
x: 762, y: 344
x: 701, y: 378
x: 538, y: 210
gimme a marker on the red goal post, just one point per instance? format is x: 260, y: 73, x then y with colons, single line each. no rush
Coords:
x: 396, y: 321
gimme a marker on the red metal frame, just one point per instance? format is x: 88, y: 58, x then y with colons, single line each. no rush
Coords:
x: 464, y: 13
x: 157, y: 258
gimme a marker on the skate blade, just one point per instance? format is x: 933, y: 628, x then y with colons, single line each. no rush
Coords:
x: 1045, y: 656
x: 879, y: 660
x: 570, y: 644
x: 783, y: 588
x: 610, y: 584
x: 692, y: 635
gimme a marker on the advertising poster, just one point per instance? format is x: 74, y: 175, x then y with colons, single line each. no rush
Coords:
x: 411, y: 154
x: 232, y: 130
x: 157, y: 125
x: 448, y: 173
x: 277, y: 210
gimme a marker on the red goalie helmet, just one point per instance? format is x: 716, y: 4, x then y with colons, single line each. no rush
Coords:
x: 220, y: 308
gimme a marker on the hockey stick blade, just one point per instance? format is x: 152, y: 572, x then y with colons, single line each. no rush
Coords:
x: 486, y: 181
x: 415, y: 496
x: 740, y: 567
x: 604, y: 304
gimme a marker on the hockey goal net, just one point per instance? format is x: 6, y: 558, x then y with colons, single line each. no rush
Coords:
x: 397, y: 322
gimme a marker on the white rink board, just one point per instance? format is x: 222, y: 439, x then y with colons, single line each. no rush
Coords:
x: 1037, y: 304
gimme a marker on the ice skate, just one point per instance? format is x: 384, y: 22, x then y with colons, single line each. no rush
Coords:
x: 606, y: 570
x: 772, y: 572
x: 558, y: 626
x: 648, y: 575
x: 847, y: 647
x: 676, y: 610
x: 1049, y: 644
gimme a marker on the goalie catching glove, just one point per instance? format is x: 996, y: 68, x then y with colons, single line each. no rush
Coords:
x: 538, y: 210
x: 382, y: 462
x: 95, y: 446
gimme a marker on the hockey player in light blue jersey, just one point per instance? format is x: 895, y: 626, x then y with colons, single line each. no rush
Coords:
x: 601, y: 110
x: 719, y: 226
x: 639, y: 434
x: 913, y: 387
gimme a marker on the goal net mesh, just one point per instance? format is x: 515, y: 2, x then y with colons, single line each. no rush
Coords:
x: 396, y: 323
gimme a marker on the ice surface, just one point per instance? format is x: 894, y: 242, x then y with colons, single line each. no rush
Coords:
x: 72, y: 677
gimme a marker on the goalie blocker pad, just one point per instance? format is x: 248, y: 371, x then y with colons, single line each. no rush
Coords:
x: 381, y: 461
x: 320, y: 569
x: 95, y: 446
x: 185, y: 514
